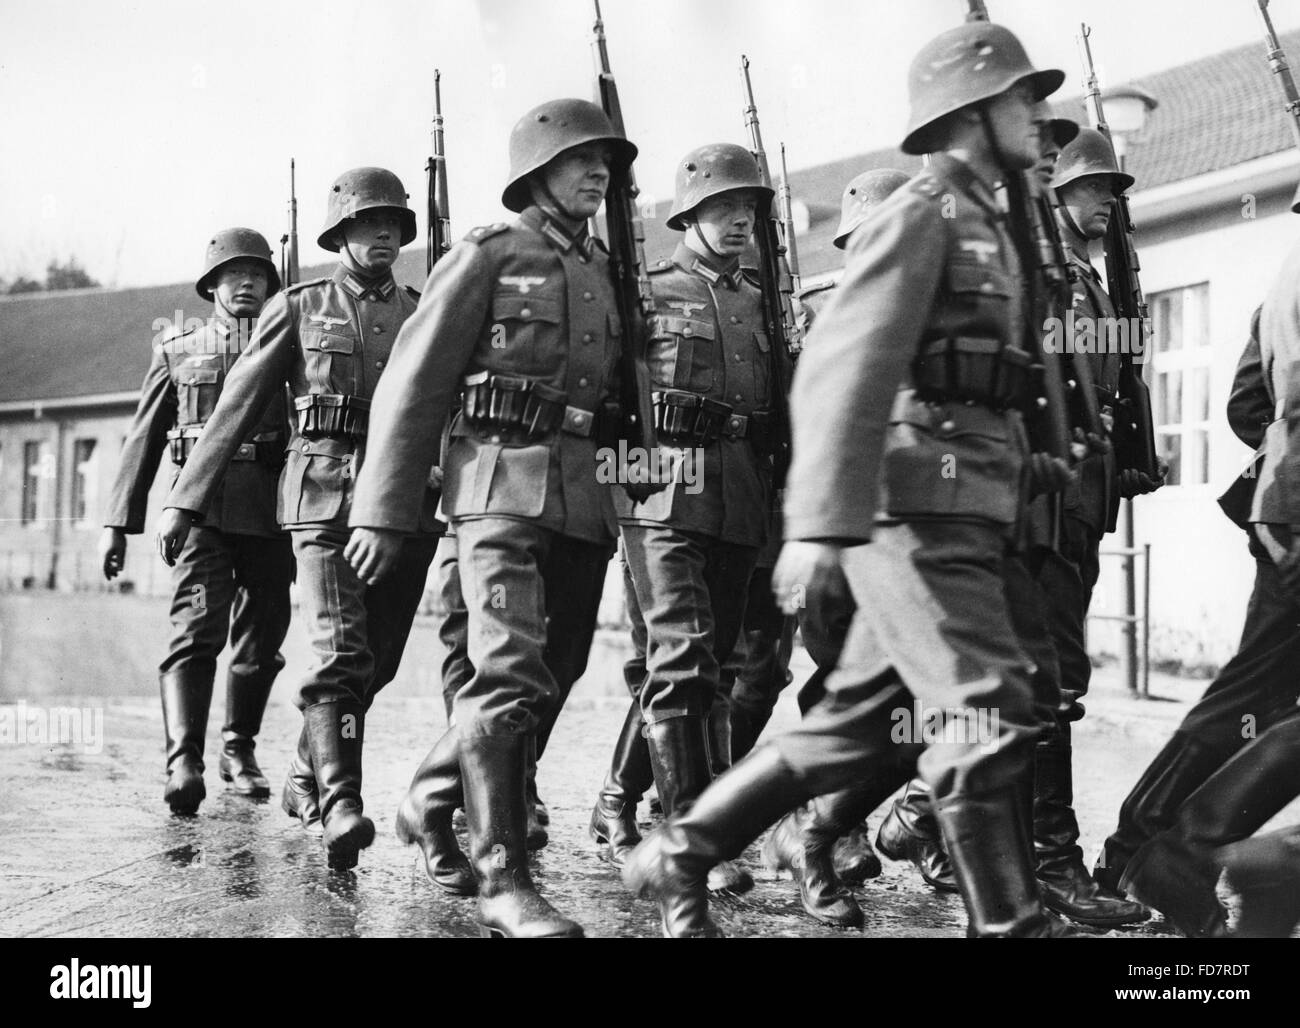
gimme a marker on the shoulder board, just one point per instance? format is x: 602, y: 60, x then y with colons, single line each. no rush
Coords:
x: 298, y: 286
x: 412, y: 292
x: 821, y: 287
x: 660, y: 266
x: 483, y: 232
x: 180, y: 332
x: 926, y: 185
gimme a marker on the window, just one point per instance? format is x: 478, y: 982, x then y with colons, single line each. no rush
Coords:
x: 36, y: 468
x: 85, y: 478
x: 1179, y: 377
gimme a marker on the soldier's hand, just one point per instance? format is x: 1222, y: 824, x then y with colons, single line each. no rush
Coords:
x: 373, y: 553
x: 1048, y: 474
x: 112, y: 552
x: 173, y: 529
x: 808, y: 572
x: 641, y: 479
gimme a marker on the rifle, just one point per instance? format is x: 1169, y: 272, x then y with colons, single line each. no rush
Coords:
x: 289, y: 271
x: 1277, y: 62
x: 626, y: 236
x: 1134, y: 435
x: 1040, y: 248
x: 776, y: 281
x: 787, y: 225
x: 438, y: 240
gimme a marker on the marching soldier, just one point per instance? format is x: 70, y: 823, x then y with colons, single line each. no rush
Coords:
x: 690, y: 550
x: 329, y: 341
x: 1050, y: 602
x: 917, y: 363
x: 1258, y: 684
x: 520, y: 319
x: 233, y: 574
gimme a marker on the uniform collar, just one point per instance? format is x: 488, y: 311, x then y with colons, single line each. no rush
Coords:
x: 382, y: 288
x: 711, y: 270
x: 557, y: 235
x: 964, y: 177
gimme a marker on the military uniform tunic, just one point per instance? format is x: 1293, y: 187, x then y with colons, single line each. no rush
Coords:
x: 690, y: 549
x: 330, y: 337
x: 935, y: 487
x: 534, y: 525
x: 233, y: 574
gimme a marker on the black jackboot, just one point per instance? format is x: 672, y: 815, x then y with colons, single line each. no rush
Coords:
x: 1066, y: 885
x: 337, y: 732
x: 538, y: 816
x: 246, y: 697
x: 910, y: 832
x: 746, y: 727
x: 298, y: 798
x: 1176, y: 871
x: 986, y: 840
x: 1177, y: 771
x: 803, y: 847
x: 719, y: 731
x: 186, y: 695
x: 679, y: 756
x: 425, y: 813
x: 509, y: 905
x: 671, y: 866
x: 613, y: 820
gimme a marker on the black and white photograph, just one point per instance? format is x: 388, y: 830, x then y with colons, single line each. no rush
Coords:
x: 650, y: 469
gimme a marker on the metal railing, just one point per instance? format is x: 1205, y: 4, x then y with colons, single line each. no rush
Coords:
x: 1130, y: 619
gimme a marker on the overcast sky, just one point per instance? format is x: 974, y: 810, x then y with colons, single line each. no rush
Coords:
x: 130, y: 131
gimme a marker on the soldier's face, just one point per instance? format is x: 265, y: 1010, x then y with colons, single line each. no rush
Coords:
x: 372, y: 239
x: 578, y: 179
x: 1017, y: 124
x: 726, y: 221
x: 1046, y: 165
x: 241, y: 288
x: 1088, y: 200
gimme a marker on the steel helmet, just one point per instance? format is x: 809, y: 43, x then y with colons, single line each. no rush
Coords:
x: 365, y: 189
x: 234, y: 244
x: 547, y: 131
x: 862, y: 196
x: 1295, y: 201
x: 1090, y: 153
x: 972, y: 62
x: 709, y: 170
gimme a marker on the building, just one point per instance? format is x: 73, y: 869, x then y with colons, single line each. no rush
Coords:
x: 1216, y: 167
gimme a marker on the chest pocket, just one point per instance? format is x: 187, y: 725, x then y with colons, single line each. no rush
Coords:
x: 681, y: 353
x: 329, y: 359
x: 525, y: 333
x: 197, y: 389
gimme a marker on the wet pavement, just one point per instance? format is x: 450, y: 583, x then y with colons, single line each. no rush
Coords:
x: 87, y: 848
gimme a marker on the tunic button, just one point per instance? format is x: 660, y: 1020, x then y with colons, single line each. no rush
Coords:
x: 379, y: 364
x: 582, y: 381
x: 947, y: 426
x: 688, y: 331
x: 588, y: 296
x: 525, y: 312
x: 735, y: 423
x: 739, y: 397
x: 588, y: 338
x: 986, y: 287
x: 735, y: 320
x: 739, y: 358
x: 379, y: 330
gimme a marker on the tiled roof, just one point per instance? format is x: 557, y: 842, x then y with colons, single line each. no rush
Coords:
x: 1214, y: 113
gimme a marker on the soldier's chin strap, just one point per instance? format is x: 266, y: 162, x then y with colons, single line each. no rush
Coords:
x: 553, y: 203
x: 722, y: 258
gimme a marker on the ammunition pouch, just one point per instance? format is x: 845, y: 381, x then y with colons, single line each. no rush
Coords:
x: 968, y: 369
x: 332, y: 415
x: 265, y: 447
x: 513, y: 404
x: 688, y: 419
